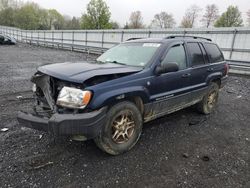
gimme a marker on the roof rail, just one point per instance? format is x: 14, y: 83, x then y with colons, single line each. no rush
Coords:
x: 133, y: 39
x: 187, y: 36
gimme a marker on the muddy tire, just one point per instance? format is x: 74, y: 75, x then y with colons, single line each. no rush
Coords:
x: 209, y: 101
x: 122, y: 129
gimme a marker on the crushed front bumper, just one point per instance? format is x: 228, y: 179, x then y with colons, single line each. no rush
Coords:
x: 86, y: 124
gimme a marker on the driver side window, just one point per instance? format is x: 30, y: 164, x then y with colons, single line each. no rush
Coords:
x: 176, y: 54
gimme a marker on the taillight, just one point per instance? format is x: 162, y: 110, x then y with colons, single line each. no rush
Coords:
x: 226, y: 69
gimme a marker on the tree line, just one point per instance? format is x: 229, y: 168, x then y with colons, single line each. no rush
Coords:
x: 98, y: 16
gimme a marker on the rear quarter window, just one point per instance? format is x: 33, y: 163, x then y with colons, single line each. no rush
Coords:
x: 213, y: 52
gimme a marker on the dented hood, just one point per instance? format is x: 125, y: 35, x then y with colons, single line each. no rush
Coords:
x: 82, y: 71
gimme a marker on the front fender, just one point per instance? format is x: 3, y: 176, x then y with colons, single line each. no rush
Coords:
x: 109, y: 97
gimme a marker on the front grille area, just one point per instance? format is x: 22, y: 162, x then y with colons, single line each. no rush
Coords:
x: 47, y: 91
x: 44, y: 94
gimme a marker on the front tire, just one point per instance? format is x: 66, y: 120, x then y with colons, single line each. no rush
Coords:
x: 122, y: 129
x: 209, y: 101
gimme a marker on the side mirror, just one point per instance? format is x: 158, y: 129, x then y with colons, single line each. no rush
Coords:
x: 166, y: 67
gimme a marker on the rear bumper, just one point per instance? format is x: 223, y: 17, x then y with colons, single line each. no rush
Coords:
x: 86, y: 124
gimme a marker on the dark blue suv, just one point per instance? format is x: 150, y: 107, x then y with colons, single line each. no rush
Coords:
x: 109, y: 99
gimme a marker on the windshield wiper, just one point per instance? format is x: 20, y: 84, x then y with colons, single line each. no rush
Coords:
x: 116, y: 62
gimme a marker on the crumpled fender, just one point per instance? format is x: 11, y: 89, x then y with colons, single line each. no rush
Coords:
x: 114, y: 96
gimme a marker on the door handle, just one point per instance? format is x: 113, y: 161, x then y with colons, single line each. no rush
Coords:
x: 186, y: 75
x: 210, y: 69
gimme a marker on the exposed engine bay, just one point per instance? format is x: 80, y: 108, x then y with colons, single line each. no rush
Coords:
x: 47, y: 88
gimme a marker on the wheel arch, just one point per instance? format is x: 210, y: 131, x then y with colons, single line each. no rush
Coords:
x: 217, y: 81
x: 216, y: 78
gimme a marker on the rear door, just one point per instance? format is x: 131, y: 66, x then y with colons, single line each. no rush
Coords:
x: 200, y: 69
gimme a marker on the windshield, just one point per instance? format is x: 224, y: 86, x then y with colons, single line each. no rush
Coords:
x: 133, y: 54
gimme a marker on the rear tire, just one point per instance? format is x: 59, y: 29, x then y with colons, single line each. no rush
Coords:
x: 122, y: 129
x: 209, y: 101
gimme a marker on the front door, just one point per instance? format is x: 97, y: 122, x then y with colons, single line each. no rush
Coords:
x: 168, y: 91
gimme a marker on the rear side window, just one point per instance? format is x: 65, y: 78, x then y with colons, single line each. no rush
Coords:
x: 204, y: 54
x: 213, y: 52
x: 195, y: 53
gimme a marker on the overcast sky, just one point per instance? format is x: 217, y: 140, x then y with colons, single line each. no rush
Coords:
x: 121, y: 9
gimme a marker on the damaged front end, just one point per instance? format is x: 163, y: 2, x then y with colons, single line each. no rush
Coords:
x: 62, y: 99
x: 58, y: 120
x: 46, y: 91
x: 44, y: 94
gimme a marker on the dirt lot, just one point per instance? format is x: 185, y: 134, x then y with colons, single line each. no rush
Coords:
x: 184, y: 149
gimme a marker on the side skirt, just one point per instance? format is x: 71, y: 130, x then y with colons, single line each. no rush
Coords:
x: 158, y: 109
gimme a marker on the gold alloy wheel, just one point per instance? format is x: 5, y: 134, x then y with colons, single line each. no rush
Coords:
x: 211, y: 99
x: 123, y: 128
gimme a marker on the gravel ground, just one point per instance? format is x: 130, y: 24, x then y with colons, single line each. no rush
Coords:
x: 184, y: 149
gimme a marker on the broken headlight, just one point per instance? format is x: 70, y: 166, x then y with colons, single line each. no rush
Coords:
x: 73, y: 98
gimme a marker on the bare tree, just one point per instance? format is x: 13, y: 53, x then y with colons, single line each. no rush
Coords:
x: 211, y: 14
x: 163, y: 20
x: 190, y: 17
x: 248, y: 17
x: 136, y: 20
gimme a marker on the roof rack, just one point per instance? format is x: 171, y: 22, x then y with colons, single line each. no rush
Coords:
x: 187, y: 36
x: 133, y: 39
